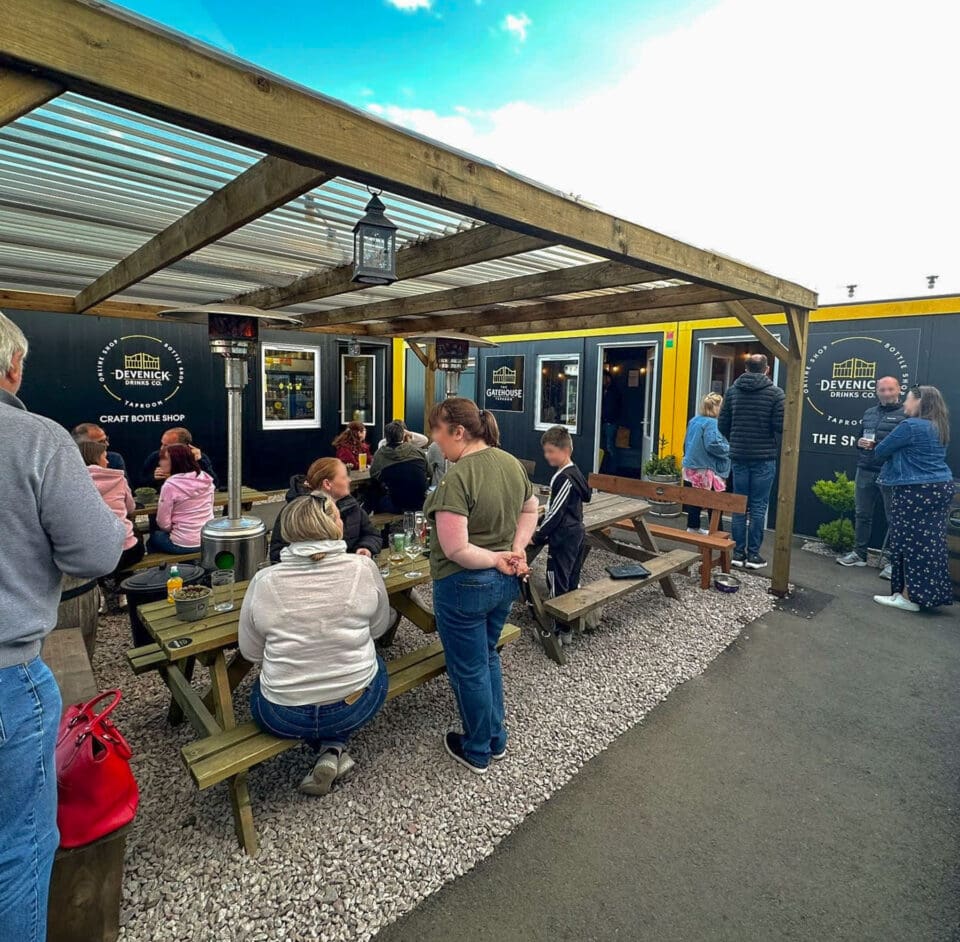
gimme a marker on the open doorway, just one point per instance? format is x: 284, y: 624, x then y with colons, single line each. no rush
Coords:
x: 723, y: 359
x: 626, y: 408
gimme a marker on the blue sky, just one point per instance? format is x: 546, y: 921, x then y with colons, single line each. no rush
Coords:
x: 812, y: 138
x: 456, y: 53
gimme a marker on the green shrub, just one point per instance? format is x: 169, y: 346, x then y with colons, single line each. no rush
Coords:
x: 839, y: 496
x: 661, y: 463
x: 837, y: 534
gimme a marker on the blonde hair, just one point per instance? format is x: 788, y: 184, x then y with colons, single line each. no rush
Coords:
x: 310, y: 518
x: 710, y: 404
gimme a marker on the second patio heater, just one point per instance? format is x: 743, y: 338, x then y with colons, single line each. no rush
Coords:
x: 233, y: 542
x: 452, y: 353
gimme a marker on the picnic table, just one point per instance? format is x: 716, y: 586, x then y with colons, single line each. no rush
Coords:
x: 358, y: 477
x: 220, y: 499
x: 212, y: 641
x: 603, y: 512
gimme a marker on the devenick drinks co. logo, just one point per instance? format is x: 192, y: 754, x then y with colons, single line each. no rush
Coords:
x: 140, y: 372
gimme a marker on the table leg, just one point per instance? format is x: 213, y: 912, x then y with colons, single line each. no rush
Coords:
x: 175, y: 716
x: 649, y: 543
x: 542, y: 623
x: 237, y: 669
x: 407, y: 606
x: 221, y: 692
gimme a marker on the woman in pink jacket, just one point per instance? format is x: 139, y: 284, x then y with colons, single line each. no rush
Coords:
x: 115, y: 491
x: 185, y: 504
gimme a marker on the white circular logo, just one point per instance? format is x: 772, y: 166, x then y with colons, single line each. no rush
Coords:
x: 140, y: 371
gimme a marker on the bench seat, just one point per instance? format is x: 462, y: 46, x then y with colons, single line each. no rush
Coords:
x: 575, y: 605
x: 148, y: 657
x: 158, y: 559
x: 217, y: 758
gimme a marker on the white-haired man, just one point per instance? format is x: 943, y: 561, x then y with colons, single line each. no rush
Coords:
x: 53, y: 521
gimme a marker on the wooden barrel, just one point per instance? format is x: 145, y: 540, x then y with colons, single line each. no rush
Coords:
x: 79, y: 608
x: 953, y: 539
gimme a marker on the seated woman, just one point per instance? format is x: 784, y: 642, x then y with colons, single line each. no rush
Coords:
x: 115, y: 491
x: 185, y: 504
x: 400, y: 467
x: 329, y: 475
x: 311, y: 622
x: 351, y: 443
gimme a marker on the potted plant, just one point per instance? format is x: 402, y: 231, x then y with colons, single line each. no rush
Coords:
x: 192, y: 602
x: 663, y: 469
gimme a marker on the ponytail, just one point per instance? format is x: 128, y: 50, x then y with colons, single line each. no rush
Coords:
x: 477, y: 423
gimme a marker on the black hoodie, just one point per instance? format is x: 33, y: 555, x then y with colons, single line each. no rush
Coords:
x: 358, y: 530
x: 751, y: 418
x: 568, y: 493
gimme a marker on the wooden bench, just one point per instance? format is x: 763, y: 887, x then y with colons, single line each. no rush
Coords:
x: 158, y: 559
x: 716, y: 541
x: 215, y: 759
x: 86, y: 881
x: 573, y: 607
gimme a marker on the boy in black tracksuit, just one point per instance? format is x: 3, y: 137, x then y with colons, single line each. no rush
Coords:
x: 561, y: 526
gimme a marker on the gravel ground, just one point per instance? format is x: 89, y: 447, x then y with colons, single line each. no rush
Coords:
x: 342, y: 866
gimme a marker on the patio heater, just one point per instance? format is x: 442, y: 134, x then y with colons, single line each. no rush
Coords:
x: 452, y: 354
x: 233, y: 542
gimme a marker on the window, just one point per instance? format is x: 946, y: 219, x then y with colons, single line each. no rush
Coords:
x: 291, y: 386
x: 557, y: 390
x: 358, y: 388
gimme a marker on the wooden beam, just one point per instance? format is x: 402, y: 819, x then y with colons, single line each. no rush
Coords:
x: 478, y: 321
x: 770, y: 343
x: 480, y: 244
x: 790, y: 452
x: 20, y: 93
x: 419, y: 354
x: 63, y: 304
x: 110, y: 55
x: 520, y: 288
x: 270, y: 183
x: 628, y: 318
x: 429, y: 385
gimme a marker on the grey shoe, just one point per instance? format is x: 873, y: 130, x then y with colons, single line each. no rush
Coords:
x: 886, y: 572
x: 565, y: 637
x: 320, y: 780
x: 851, y: 559
x: 345, y: 765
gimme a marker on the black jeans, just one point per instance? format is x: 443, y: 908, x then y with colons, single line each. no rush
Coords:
x: 867, y: 493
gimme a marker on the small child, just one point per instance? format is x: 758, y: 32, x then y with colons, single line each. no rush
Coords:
x: 562, y: 525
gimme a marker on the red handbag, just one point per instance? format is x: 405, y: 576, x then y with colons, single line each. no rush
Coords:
x: 97, y: 793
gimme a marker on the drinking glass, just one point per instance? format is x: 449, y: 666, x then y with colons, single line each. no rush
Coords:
x: 224, y: 580
x: 412, y: 549
x: 398, y: 544
x: 870, y: 436
x: 409, y: 521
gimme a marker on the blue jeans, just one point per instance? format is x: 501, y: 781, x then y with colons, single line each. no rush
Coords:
x: 753, y: 479
x: 471, y: 608
x: 326, y: 726
x: 160, y: 542
x: 29, y: 717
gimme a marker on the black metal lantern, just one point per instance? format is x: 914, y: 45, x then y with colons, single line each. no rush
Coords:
x: 375, y: 247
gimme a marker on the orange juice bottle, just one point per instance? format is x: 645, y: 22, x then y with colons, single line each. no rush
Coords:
x: 174, y: 582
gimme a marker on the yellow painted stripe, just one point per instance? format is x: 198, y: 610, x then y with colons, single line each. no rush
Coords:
x: 399, y: 378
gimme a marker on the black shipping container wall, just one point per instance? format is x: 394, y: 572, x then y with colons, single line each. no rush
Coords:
x: 61, y: 381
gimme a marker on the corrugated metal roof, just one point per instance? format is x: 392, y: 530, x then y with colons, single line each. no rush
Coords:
x: 83, y: 184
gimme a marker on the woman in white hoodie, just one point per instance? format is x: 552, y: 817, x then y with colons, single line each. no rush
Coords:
x: 115, y: 491
x: 185, y: 504
x: 311, y: 621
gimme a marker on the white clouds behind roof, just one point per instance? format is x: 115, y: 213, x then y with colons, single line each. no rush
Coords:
x: 814, y: 140
x: 410, y: 6
x: 517, y: 25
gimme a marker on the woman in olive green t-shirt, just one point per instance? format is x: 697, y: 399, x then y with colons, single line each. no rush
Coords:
x: 484, y: 514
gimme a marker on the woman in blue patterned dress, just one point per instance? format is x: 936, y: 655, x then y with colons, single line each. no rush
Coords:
x: 915, y: 469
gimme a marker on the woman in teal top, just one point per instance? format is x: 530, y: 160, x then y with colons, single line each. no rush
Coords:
x: 484, y: 514
x: 921, y: 484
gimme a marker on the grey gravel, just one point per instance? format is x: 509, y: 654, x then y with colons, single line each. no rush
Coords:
x: 409, y: 820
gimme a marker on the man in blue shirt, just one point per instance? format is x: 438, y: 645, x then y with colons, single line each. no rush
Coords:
x: 878, y: 422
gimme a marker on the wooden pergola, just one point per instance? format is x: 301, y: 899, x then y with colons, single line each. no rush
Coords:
x: 614, y: 272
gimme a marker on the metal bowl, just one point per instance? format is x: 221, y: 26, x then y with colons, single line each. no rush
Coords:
x: 725, y: 582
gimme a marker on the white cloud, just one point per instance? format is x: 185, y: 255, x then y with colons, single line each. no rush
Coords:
x: 813, y: 140
x: 516, y: 24
x: 411, y: 6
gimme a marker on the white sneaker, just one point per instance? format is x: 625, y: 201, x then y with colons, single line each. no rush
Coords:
x: 897, y: 601
x: 320, y: 780
x: 705, y: 532
x: 345, y: 765
x: 851, y: 559
x: 693, y: 530
x: 886, y: 572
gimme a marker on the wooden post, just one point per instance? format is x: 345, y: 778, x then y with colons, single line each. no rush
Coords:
x: 799, y: 323
x: 429, y: 385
